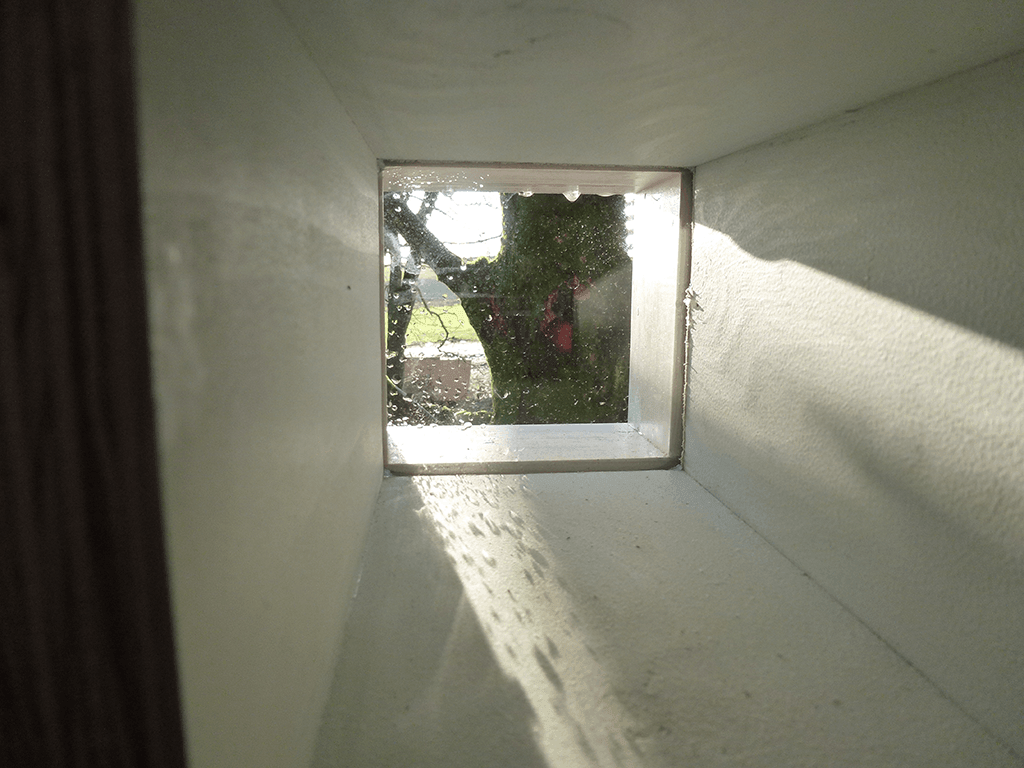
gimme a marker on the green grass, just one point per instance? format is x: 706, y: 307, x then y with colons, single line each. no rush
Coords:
x: 425, y: 328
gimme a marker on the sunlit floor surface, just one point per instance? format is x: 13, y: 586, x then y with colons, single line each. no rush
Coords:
x: 612, y: 619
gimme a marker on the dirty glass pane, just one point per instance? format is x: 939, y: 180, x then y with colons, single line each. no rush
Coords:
x: 507, y: 308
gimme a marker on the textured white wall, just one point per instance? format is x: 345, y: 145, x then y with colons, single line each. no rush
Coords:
x: 261, y: 229
x: 629, y: 82
x: 857, y: 385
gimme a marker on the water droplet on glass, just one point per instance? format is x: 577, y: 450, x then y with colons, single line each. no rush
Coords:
x: 527, y: 193
x: 572, y: 195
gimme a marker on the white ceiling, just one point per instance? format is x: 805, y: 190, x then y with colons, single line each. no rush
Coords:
x: 629, y: 82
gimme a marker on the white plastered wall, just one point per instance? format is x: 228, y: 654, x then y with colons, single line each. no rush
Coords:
x: 857, y: 383
x: 260, y: 204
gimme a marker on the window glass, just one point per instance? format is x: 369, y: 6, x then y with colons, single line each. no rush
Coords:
x: 507, y: 308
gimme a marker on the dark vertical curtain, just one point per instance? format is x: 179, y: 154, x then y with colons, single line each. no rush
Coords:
x: 87, y: 672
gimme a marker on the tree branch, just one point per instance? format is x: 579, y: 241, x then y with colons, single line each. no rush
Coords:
x: 427, y: 248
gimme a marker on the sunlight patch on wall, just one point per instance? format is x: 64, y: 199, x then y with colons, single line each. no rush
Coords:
x: 510, y: 577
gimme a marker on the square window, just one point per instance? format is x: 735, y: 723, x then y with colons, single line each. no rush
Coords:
x: 582, y: 325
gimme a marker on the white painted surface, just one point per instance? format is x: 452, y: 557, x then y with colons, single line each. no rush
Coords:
x: 629, y: 82
x: 612, y: 619
x: 661, y: 266
x: 857, y: 385
x: 503, y: 448
x: 261, y: 239
x: 540, y: 179
x: 876, y: 445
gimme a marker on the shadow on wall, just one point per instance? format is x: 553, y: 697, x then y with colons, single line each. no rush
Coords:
x: 235, y: 293
x: 815, y: 383
x: 919, y: 198
x: 879, y: 446
x: 417, y: 683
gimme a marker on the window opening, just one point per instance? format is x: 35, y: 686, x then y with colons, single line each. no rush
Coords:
x: 524, y: 304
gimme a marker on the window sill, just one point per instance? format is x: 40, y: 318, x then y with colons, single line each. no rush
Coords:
x: 499, y: 449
